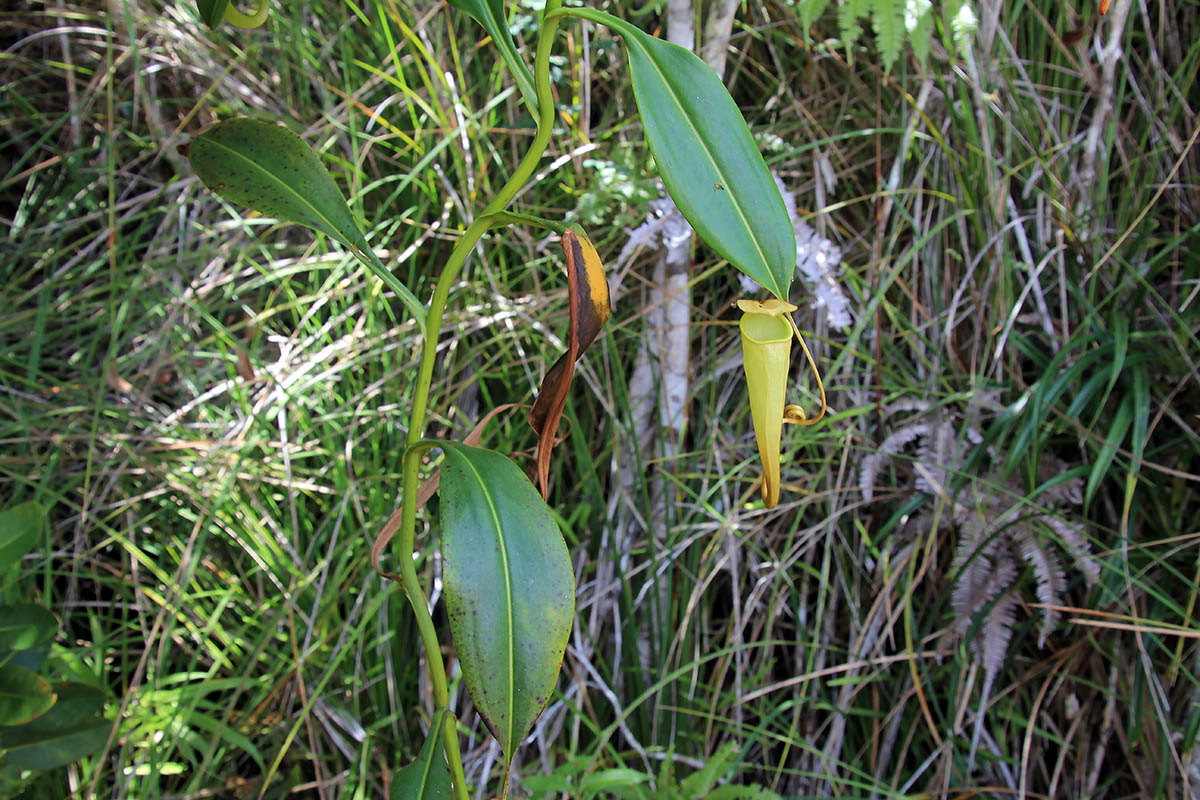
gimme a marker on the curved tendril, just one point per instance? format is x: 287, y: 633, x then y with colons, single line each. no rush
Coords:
x: 794, y: 414
x: 237, y: 18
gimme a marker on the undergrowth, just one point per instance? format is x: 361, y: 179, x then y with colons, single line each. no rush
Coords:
x: 212, y: 407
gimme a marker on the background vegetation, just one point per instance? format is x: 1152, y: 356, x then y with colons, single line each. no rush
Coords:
x: 211, y: 406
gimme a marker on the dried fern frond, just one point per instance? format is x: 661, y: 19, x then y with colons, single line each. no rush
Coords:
x: 997, y: 528
x: 1074, y: 541
x: 938, y: 454
x: 890, y: 446
x: 995, y: 630
x: 906, y: 404
x: 1051, y: 582
x: 1049, y: 468
x: 975, y: 564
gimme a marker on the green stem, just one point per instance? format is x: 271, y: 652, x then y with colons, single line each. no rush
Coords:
x: 491, y: 217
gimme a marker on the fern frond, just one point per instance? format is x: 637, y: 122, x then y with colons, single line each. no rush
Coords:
x: 940, y: 454
x: 891, y: 445
x: 906, y: 404
x: 963, y: 23
x: 918, y: 21
x: 1049, y: 471
x: 849, y: 12
x: 810, y: 11
x: 995, y: 631
x: 973, y: 561
x: 1076, y: 544
x: 1050, y: 579
x: 991, y: 644
x: 887, y: 18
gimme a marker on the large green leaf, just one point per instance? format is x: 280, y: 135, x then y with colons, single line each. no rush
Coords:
x: 64, y: 746
x: 272, y: 170
x: 427, y: 778
x: 24, y: 695
x: 707, y: 157
x: 212, y: 12
x: 19, y: 530
x: 510, y: 590
x: 75, y: 702
x: 70, y: 730
x: 490, y: 14
x: 26, y: 633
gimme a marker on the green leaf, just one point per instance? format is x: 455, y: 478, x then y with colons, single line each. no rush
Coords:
x: 25, y: 626
x: 65, y: 733
x: 490, y: 14
x: 11, y: 780
x: 20, y: 527
x: 63, y: 746
x: 1141, y: 416
x: 887, y: 18
x: 272, y: 170
x: 707, y: 158
x: 510, y: 589
x: 810, y: 11
x: 26, y: 633
x: 1108, y: 451
x: 24, y: 695
x: 918, y: 21
x: 427, y: 778
x: 74, y: 703
x: 606, y: 780
x: 1120, y: 340
x: 212, y: 11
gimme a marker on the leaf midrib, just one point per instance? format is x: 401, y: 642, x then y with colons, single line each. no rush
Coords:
x: 332, y: 229
x: 508, y: 602
x: 674, y: 95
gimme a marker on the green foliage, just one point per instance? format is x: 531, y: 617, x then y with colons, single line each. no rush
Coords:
x: 212, y: 410
x: 490, y: 14
x: 617, y: 188
x: 20, y: 528
x: 849, y: 12
x: 510, y: 591
x: 710, y: 781
x: 887, y: 18
x: 45, y: 722
x: 707, y: 158
x: 810, y: 11
x: 212, y: 12
x: 918, y: 23
x: 427, y: 777
x: 963, y: 23
x: 272, y: 170
x: 894, y: 23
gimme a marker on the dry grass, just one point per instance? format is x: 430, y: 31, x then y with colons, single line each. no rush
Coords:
x: 212, y: 407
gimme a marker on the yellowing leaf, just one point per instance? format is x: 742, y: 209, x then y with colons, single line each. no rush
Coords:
x: 587, y: 294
